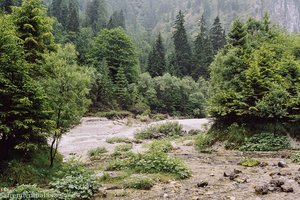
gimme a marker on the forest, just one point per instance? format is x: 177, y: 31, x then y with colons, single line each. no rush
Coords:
x: 62, y: 60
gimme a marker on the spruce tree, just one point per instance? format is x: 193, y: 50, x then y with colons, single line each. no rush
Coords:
x: 96, y: 14
x: 117, y: 20
x: 23, y: 117
x: 34, y: 29
x: 121, y: 88
x: 237, y: 34
x: 217, y: 35
x: 156, y: 59
x: 203, y: 51
x: 183, y: 52
x: 73, y: 16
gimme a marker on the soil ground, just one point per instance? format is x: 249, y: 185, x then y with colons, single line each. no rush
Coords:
x: 208, y: 168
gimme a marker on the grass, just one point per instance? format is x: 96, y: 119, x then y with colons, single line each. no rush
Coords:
x: 296, y: 158
x: 159, y: 131
x: 122, y: 150
x: 139, y: 182
x: 161, y: 146
x: 97, y: 152
x: 114, y: 114
x: 114, y: 140
x: 249, y: 162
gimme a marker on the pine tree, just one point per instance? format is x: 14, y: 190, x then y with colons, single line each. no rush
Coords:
x: 237, y: 34
x: 203, y: 51
x: 73, y: 16
x: 217, y: 35
x: 156, y: 60
x: 34, y: 28
x: 23, y: 117
x: 117, y: 20
x: 183, y: 52
x: 96, y: 14
x: 121, y: 88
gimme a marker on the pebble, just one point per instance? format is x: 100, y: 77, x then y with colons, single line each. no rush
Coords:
x: 282, y: 164
x: 202, y: 184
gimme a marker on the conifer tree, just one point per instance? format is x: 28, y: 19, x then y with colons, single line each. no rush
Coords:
x: 217, y: 35
x: 117, y: 20
x: 203, y: 51
x: 183, y: 52
x: 96, y: 14
x: 73, y: 16
x: 156, y: 59
x: 121, y: 89
x: 237, y: 34
x: 34, y: 29
x: 23, y: 117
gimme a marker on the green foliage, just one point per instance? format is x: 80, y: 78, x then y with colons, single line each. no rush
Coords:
x: 203, y: 51
x: 31, y: 171
x: 23, y: 115
x: 97, y: 152
x: 156, y: 59
x: 249, y: 162
x: 96, y: 14
x: 168, y: 129
x: 183, y: 62
x: 161, y: 146
x: 34, y: 28
x: 117, y: 20
x: 123, y: 148
x: 75, y: 182
x: 26, y: 192
x: 114, y: 114
x: 139, y: 182
x: 204, y: 142
x: 152, y: 162
x: 172, y: 95
x: 116, y: 48
x: 114, y: 140
x: 296, y: 158
x: 255, y: 76
x: 266, y: 142
x: 217, y: 35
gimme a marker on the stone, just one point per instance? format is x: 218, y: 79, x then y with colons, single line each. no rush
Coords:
x: 287, y: 188
x: 277, y: 182
x: 202, y: 184
x: 282, y: 164
x: 261, y: 189
x: 236, y: 171
x: 166, y: 196
x: 263, y: 164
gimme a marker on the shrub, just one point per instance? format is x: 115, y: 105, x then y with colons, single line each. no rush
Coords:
x: 204, y: 141
x: 249, y: 162
x: 152, y: 162
x: 114, y: 114
x: 235, y: 136
x: 76, y: 183
x: 161, y: 146
x: 97, y: 152
x: 143, y: 118
x: 139, y: 182
x: 266, y: 142
x: 27, y: 192
x: 158, y: 131
x: 123, y: 147
x: 296, y: 158
x: 114, y: 140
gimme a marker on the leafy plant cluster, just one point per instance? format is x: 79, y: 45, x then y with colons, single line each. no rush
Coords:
x: 266, y: 142
x: 76, y: 182
x: 296, y: 158
x: 152, y: 162
x: 139, y: 182
x: 158, y: 131
x: 161, y: 146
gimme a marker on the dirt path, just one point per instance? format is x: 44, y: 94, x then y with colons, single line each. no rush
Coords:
x: 93, y: 132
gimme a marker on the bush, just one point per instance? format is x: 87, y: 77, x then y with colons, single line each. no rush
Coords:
x: 27, y: 192
x: 152, y: 162
x: 204, y: 141
x: 296, y: 158
x: 249, y: 162
x: 159, y: 131
x: 266, y: 142
x: 140, y: 183
x: 161, y: 146
x: 235, y: 136
x: 97, y: 152
x: 123, y: 147
x: 114, y: 114
x: 76, y: 182
x: 114, y: 140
